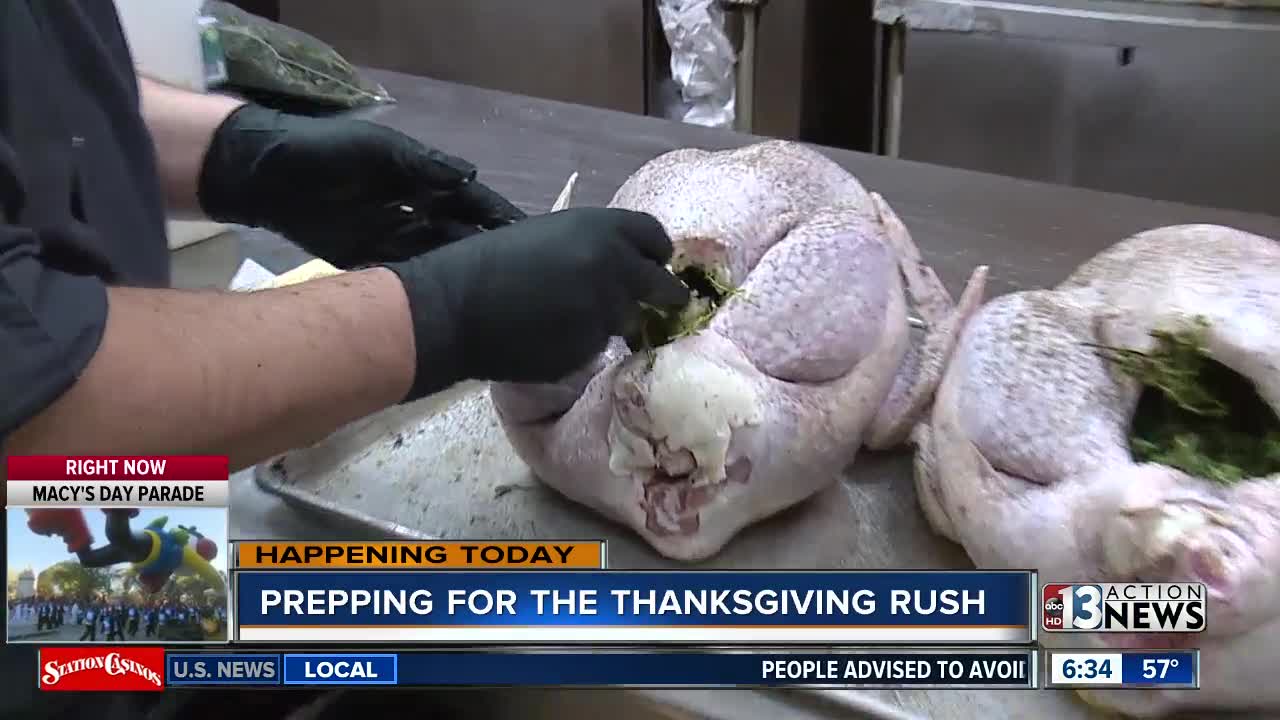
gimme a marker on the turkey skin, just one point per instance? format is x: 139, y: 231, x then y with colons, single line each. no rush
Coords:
x: 808, y: 359
x: 1026, y: 459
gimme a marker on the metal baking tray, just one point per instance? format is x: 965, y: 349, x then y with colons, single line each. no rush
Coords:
x: 442, y: 468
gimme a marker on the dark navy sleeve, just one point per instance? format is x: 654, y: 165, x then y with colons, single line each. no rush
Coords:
x: 51, y: 321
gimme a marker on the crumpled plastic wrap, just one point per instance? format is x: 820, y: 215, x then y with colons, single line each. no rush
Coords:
x: 702, y: 61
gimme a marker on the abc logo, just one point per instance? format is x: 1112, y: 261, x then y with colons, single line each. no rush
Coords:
x: 1053, y: 609
x: 1053, y: 613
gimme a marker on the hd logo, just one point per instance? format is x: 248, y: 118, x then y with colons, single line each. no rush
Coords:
x: 1123, y: 607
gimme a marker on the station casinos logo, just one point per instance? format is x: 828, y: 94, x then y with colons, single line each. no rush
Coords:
x: 90, y: 668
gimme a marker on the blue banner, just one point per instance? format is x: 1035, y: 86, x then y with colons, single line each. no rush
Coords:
x: 621, y: 606
x: 986, y: 668
x: 342, y: 669
x: 1161, y: 669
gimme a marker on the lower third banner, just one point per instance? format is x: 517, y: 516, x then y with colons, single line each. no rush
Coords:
x: 751, y: 608
x: 898, y: 668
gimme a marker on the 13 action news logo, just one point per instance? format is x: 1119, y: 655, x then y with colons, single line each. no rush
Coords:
x: 89, y: 668
x: 1123, y: 607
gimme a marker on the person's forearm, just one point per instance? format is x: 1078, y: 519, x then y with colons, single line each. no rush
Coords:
x: 182, y: 124
x: 246, y: 375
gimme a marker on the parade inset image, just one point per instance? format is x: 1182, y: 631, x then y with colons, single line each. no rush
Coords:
x: 117, y: 575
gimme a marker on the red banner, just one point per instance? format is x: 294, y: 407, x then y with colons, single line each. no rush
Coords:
x: 117, y: 669
x: 118, y: 467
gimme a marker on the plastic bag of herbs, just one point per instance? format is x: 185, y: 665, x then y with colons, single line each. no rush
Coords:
x: 280, y: 66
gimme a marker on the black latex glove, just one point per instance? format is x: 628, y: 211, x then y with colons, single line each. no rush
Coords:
x: 534, y: 301
x: 337, y: 187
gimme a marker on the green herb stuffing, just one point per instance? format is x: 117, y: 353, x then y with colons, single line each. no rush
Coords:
x: 658, y: 327
x: 1195, y: 414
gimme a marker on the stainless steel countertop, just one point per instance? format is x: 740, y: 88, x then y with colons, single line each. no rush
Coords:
x: 1030, y: 233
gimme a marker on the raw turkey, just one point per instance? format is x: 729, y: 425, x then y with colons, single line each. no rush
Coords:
x: 807, y: 359
x: 1028, y: 460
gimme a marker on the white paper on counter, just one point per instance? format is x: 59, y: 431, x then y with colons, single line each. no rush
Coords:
x: 250, y: 275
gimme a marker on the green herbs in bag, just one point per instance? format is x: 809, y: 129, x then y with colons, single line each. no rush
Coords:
x: 265, y: 57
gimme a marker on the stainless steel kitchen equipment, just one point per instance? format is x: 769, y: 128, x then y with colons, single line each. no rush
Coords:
x: 1171, y: 100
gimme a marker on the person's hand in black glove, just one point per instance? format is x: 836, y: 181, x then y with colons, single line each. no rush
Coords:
x: 534, y: 301
x: 349, y: 191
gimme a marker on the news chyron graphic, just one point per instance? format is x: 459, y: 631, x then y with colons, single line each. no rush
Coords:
x: 320, y: 592
x: 1123, y: 607
x: 548, y: 613
x: 562, y: 594
x: 117, y: 550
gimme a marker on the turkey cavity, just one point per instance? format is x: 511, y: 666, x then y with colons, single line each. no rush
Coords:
x: 1196, y: 414
x: 709, y: 290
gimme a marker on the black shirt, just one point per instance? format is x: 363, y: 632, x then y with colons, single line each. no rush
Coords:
x: 80, y: 200
x: 81, y: 208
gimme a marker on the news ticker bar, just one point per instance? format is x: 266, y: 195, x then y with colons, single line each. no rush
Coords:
x: 986, y: 668
x: 1122, y: 668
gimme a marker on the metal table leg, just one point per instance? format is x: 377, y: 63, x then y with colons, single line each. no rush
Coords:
x: 745, y: 92
x: 895, y: 41
x: 748, y: 12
